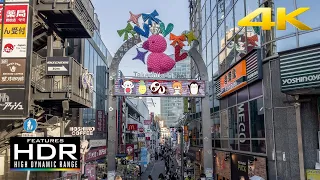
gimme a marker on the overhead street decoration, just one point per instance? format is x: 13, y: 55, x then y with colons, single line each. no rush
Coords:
x: 159, y: 87
x: 59, y: 66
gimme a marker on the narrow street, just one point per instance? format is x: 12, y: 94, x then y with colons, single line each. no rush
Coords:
x: 154, y: 170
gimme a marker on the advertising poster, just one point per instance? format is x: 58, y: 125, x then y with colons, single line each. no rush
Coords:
x: 130, y: 151
x: 144, y: 156
x: 90, y: 171
x: 313, y: 174
x: 239, y: 167
x: 12, y: 71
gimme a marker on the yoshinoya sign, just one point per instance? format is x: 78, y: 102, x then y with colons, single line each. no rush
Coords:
x: 59, y: 66
x: 12, y: 102
x: 244, y: 72
x: 299, y: 68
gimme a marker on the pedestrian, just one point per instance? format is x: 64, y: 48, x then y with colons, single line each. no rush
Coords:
x: 161, y: 176
x: 118, y: 178
x: 149, y: 177
x: 156, y: 156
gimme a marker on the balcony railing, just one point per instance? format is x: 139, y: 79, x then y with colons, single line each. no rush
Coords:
x: 56, y: 84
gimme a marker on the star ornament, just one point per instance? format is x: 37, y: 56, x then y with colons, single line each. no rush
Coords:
x: 190, y: 36
x: 140, y: 56
x: 155, y: 28
x: 134, y: 18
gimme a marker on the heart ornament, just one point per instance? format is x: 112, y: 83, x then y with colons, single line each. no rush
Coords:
x: 166, y: 30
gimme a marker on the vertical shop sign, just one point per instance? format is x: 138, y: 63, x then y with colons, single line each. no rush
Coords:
x: 129, y: 151
x: 15, y: 28
x: 243, y: 119
x: 12, y: 102
x: 100, y: 121
x: 12, y: 71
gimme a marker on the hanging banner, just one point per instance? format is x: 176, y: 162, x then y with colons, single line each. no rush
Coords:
x: 100, y: 121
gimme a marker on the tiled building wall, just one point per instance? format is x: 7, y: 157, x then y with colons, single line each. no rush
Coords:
x: 260, y: 167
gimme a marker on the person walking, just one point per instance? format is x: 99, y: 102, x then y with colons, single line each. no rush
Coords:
x: 149, y: 177
x: 161, y: 177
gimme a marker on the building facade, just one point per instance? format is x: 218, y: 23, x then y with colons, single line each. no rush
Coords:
x: 171, y: 108
x: 264, y: 96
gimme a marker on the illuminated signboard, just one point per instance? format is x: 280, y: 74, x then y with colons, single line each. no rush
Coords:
x: 246, y: 71
x: 159, y: 87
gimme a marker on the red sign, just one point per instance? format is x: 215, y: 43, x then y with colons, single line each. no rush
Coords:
x: 147, y: 122
x: 97, y: 153
x: 141, y: 129
x: 16, y: 14
x: 148, y: 138
x: 90, y: 171
x: 100, y: 121
x: 130, y: 151
x: 132, y: 127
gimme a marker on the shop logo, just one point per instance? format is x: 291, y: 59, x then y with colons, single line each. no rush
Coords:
x: 242, y: 126
x: 8, y: 48
x: 301, y: 79
x: 282, y: 18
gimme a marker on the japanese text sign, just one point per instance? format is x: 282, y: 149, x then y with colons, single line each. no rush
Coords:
x: 100, y: 121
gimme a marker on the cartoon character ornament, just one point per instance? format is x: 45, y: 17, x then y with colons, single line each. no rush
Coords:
x: 158, y: 61
x: 194, y: 88
x: 177, y: 86
x: 127, y: 87
x: 157, y: 88
x: 142, y: 87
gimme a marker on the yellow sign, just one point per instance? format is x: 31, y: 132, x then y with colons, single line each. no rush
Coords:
x: 15, y: 30
x: 282, y: 19
x: 313, y: 174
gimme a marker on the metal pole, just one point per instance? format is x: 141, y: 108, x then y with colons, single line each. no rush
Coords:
x: 300, y: 143
x: 28, y: 175
x: 181, y: 153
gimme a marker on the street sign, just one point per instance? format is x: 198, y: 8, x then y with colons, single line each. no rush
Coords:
x: 30, y: 125
x: 59, y: 66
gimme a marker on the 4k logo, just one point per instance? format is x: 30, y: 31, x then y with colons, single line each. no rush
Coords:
x: 282, y: 19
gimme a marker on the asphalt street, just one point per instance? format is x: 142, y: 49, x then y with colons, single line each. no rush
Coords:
x: 154, y: 170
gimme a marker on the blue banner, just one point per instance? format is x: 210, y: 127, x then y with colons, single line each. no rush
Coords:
x: 144, y: 156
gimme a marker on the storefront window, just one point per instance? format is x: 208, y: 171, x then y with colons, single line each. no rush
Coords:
x: 214, y: 45
x: 208, y: 10
x: 259, y: 146
x: 203, y: 38
x: 243, y: 126
x: 233, y: 122
x: 209, y: 53
x: 208, y: 26
x: 216, y: 125
x: 203, y: 16
x: 234, y: 144
x: 232, y: 100
x: 242, y: 95
x: 257, y: 118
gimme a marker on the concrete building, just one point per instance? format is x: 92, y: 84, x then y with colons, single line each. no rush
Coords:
x: 171, y: 108
x: 268, y: 122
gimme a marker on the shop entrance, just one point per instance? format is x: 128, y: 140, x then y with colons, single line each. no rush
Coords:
x: 139, y: 87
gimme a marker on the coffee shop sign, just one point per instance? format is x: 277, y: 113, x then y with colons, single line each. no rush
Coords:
x: 156, y: 75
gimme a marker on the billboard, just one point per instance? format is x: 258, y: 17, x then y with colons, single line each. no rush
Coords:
x: 45, y: 154
x: 158, y: 88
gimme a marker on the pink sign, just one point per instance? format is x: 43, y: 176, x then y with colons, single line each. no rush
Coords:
x: 91, y: 171
x: 141, y: 129
x: 147, y: 122
x: 100, y: 121
x: 97, y: 153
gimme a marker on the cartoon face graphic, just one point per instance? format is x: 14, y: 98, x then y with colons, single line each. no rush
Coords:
x: 194, y: 88
x: 142, y: 87
x: 177, y: 86
x: 156, y: 88
x: 127, y: 86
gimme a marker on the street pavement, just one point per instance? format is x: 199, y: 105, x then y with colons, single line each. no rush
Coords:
x: 154, y: 170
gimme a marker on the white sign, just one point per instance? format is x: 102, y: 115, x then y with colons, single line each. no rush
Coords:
x: 97, y: 143
x: 78, y: 131
x: 57, y: 68
x: 14, y: 47
x: 141, y: 139
x: 28, y: 135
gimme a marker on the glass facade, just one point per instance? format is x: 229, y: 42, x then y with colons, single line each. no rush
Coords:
x: 95, y: 61
x: 172, y: 108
